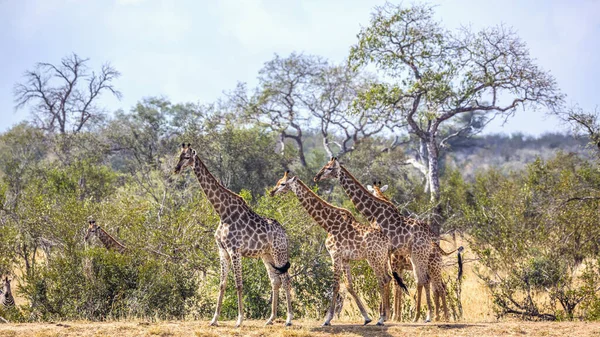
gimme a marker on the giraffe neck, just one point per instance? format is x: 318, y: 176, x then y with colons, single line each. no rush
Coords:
x: 325, y: 214
x: 108, y: 241
x: 220, y: 197
x: 373, y: 208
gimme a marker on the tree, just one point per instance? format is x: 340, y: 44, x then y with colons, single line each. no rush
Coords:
x: 438, y: 75
x: 330, y: 101
x: 583, y: 122
x: 63, y: 97
x: 277, y: 102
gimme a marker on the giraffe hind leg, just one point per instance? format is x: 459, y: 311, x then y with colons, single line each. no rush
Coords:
x: 275, y: 279
x: 236, y: 261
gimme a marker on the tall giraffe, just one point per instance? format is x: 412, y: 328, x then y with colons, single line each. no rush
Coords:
x: 400, y: 263
x: 347, y: 240
x: 242, y: 233
x: 107, y: 240
x: 408, y: 237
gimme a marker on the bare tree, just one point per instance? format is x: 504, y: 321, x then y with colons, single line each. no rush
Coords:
x: 437, y: 75
x: 63, y: 97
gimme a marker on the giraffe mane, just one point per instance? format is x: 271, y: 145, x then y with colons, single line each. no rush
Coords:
x: 364, y: 188
x: 310, y: 191
x: 111, y: 237
x: 228, y: 191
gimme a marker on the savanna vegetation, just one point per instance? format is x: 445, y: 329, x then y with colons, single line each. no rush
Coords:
x: 527, y: 207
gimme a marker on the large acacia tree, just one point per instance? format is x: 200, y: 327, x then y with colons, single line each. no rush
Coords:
x: 436, y: 75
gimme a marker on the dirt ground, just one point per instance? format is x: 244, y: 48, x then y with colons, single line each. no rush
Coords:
x: 300, y: 329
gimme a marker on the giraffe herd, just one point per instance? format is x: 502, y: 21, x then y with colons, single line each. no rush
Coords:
x: 390, y: 242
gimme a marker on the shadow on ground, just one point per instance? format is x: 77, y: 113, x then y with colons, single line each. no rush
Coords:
x: 374, y: 330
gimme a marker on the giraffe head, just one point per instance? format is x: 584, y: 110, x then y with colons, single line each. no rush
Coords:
x: 283, y: 185
x: 186, y: 157
x: 92, y: 228
x: 331, y: 170
x: 6, y: 285
x: 378, y: 190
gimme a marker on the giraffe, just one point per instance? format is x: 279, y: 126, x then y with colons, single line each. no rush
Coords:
x: 6, y: 298
x: 400, y: 263
x: 242, y: 233
x: 347, y: 240
x: 407, y: 236
x: 107, y: 240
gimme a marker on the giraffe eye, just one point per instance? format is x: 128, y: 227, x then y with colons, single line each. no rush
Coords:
x: 329, y: 168
x: 282, y: 184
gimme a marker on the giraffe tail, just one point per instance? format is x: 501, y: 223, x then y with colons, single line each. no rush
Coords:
x: 283, y: 269
x: 399, y: 281
x: 460, y: 262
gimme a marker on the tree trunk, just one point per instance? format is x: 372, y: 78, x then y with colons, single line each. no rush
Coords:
x: 423, y: 160
x: 434, y: 182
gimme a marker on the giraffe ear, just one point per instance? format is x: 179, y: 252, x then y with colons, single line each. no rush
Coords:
x: 384, y: 188
x: 193, y: 152
x: 370, y: 188
x: 293, y: 179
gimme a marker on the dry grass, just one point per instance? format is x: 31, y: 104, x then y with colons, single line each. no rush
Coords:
x: 300, y: 329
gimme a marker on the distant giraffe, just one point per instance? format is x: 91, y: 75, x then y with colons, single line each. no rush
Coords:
x: 6, y: 298
x: 408, y: 237
x: 400, y: 263
x: 242, y: 233
x: 107, y: 240
x: 347, y: 240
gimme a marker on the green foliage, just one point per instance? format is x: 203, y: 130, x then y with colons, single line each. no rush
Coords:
x: 532, y: 230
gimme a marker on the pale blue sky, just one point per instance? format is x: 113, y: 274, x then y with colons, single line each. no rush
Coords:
x: 195, y: 50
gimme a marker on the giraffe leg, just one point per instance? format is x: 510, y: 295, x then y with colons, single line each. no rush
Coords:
x: 236, y: 261
x: 275, y: 284
x: 428, y: 298
x: 352, y: 292
x: 398, y: 293
x: 418, y: 305
x: 285, y: 279
x: 379, y: 263
x: 224, y: 259
x: 337, y: 271
x: 444, y: 305
x: 436, y: 301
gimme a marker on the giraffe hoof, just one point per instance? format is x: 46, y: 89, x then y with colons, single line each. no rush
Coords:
x: 427, y: 320
x: 288, y: 323
x: 268, y: 323
x: 213, y: 324
x: 380, y: 324
x: 326, y: 324
x: 367, y: 321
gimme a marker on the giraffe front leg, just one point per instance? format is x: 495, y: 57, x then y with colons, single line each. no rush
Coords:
x: 337, y: 271
x: 236, y: 262
x: 224, y: 259
x: 275, y: 283
x: 352, y: 292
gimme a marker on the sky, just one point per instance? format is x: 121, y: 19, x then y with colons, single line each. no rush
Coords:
x: 193, y: 51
